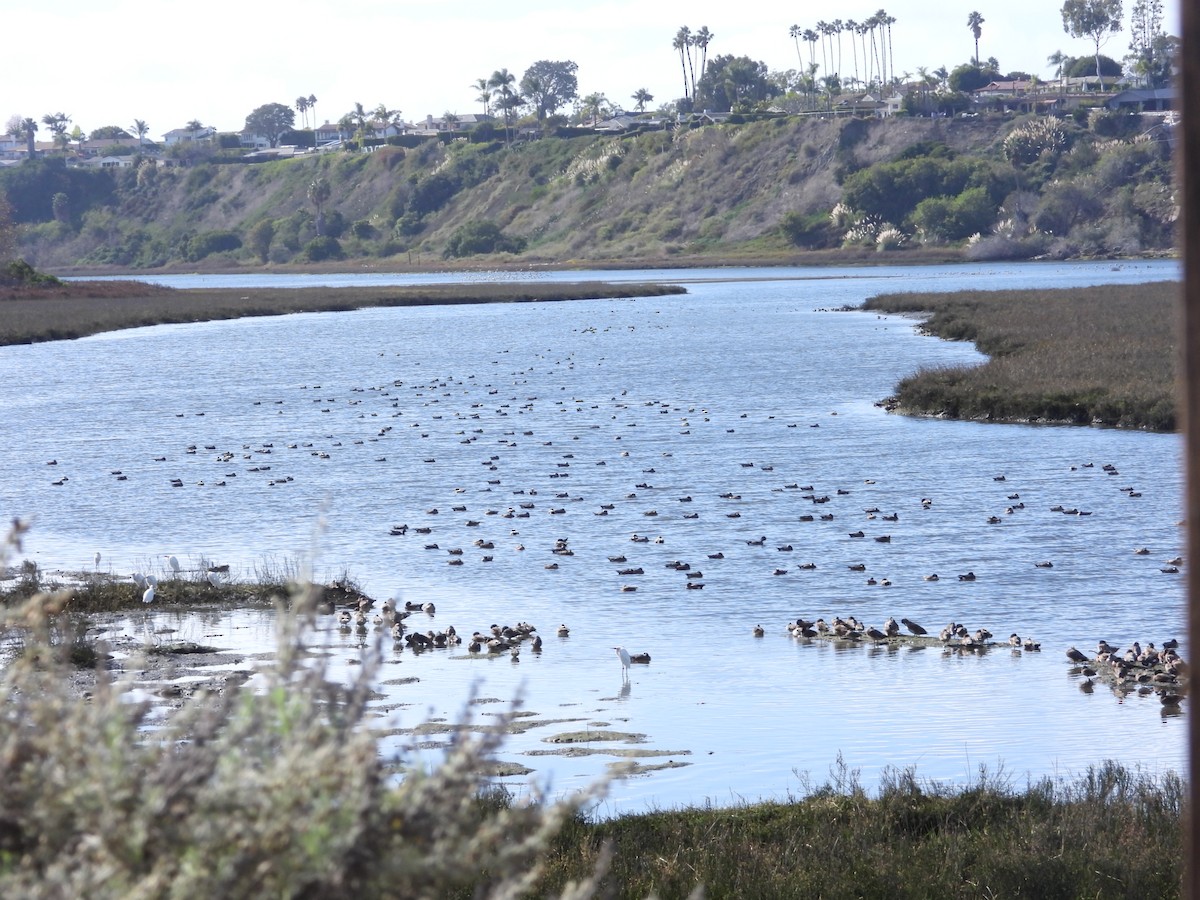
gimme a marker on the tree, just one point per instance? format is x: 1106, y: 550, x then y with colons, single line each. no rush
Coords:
x: 735, y: 81
x: 593, y: 105
x: 319, y: 193
x: 110, y: 133
x: 548, y: 85
x: 640, y: 98
x: 702, y: 39
x: 501, y: 85
x: 57, y: 123
x: 30, y: 127
x: 451, y: 120
x: 968, y: 78
x: 302, y: 108
x: 194, y: 125
x: 259, y: 238
x: 388, y: 118
x: 1093, y: 19
x: 140, y: 128
x: 681, y: 43
x: 271, y: 120
x: 975, y: 23
x: 485, y: 94
x: 1151, y: 51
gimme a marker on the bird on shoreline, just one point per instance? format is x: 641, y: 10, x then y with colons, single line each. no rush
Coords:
x: 623, y: 656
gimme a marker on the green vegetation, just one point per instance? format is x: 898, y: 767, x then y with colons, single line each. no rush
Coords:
x: 988, y: 188
x: 57, y: 310
x: 1100, y: 836
x: 1097, y: 355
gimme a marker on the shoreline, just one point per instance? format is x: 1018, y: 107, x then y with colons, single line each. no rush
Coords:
x: 71, y: 310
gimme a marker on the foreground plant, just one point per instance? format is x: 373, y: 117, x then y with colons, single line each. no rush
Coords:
x: 277, y: 792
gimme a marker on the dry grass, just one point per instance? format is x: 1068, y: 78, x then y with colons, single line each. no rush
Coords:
x: 77, y: 309
x: 1097, y: 355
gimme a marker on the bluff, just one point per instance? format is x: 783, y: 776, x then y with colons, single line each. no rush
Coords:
x: 767, y: 190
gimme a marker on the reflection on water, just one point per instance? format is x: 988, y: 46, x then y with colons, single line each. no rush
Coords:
x: 532, y: 428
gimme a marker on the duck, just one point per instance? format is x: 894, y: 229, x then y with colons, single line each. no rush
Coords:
x: 913, y: 627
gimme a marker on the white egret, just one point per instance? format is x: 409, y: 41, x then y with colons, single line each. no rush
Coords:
x: 151, y: 580
x: 148, y: 596
x: 623, y: 655
x: 214, y: 579
x: 173, y: 562
x: 97, y: 559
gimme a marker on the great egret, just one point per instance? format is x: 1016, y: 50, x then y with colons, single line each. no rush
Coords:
x: 214, y: 579
x: 173, y: 562
x: 148, y: 595
x: 97, y: 559
x: 623, y: 655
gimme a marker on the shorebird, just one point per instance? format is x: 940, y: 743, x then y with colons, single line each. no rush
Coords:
x: 623, y: 656
x: 1075, y: 656
x: 913, y: 627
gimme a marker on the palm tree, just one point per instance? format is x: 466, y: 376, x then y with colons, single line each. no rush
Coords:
x: 312, y: 105
x: 837, y: 26
x: 795, y: 33
x: 29, y: 127
x: 975, y: 23
x: 593, y: 104
x: 319, y: 193
x: 852, y: 27
x: 57, y: 123
x: 701, y: 39
x: 302, y: 108
x: 823, y: 30
x: 640, y: 98
x: 485, y: 94
x: 1057, y: 59
x: 500, y: 83
x: 387, y: 117
x: 450, y: 120
x: 868, y: 64
x: 140, y: 128
x: 682, y: 41
x: 889, y: 21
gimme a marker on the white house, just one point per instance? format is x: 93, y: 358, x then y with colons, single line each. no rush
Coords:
x: 188, y: 135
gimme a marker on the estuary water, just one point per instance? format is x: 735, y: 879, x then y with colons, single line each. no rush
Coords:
x: 734, y: 427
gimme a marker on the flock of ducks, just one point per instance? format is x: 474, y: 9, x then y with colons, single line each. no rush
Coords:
x: 467, y: 431
x: 1143, y: 669
x: 955, y: 635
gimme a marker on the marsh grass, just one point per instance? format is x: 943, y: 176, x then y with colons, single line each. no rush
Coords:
x: 1111, y: 833
x: 1097, y: 355
x: 77, y: 309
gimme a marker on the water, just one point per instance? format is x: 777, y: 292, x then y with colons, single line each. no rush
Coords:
x: 745, y: 386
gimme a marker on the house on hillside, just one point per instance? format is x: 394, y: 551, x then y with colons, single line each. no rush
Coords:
x: 327, y: 133
x: 1144, y: 100
x: 189, y: 135
x: 105, y: 162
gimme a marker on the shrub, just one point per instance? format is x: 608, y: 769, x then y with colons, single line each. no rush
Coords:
x: 1030, y: 139
x: 274, y: 793
x: 209, y: 242
x: 322, y: 248
x: 482, y: 237
x: 812, y: 232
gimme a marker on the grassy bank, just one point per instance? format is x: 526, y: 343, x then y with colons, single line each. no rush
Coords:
x: 1110, y: 833
x: 29, y: 314
x: 1096, y: 355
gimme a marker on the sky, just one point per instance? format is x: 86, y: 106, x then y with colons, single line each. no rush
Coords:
x: 108, y: 62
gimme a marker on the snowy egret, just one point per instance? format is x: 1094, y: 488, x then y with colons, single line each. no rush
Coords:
x: 148, y: 595
x: 623, y: 655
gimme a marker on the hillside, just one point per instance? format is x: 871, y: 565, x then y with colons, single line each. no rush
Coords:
x: 763, y: 191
